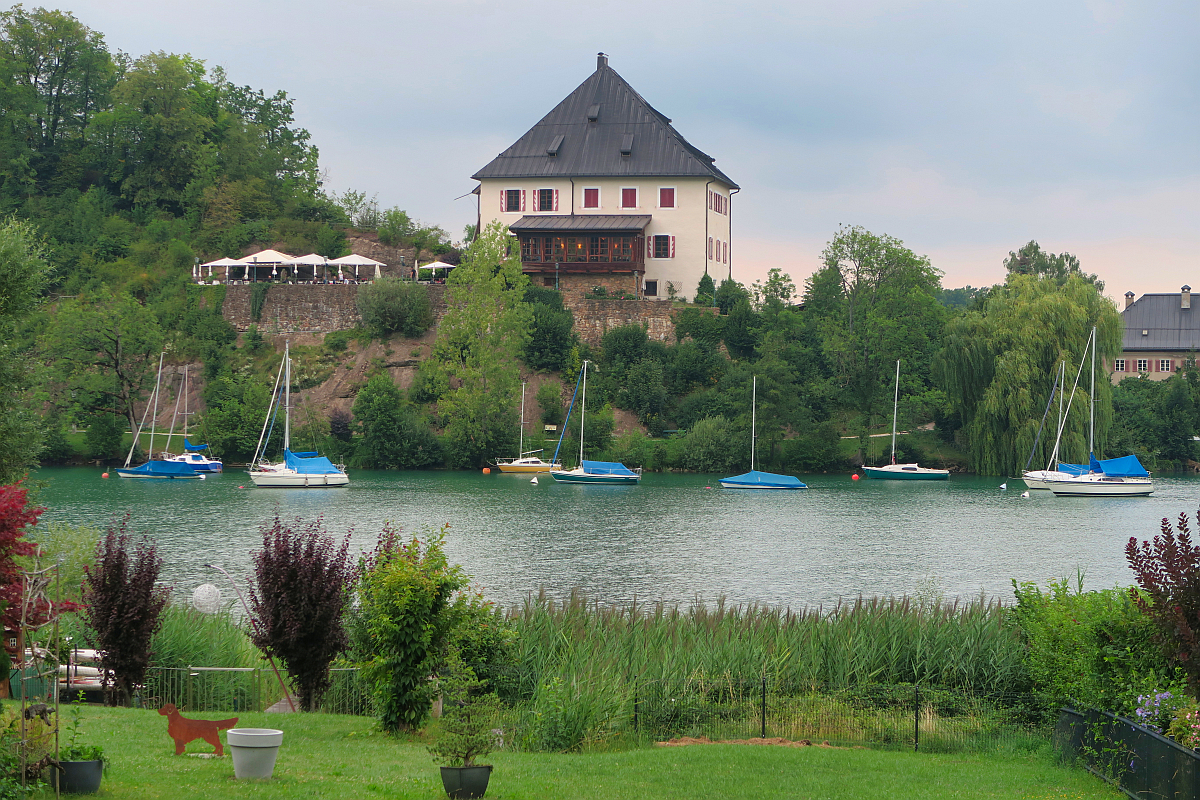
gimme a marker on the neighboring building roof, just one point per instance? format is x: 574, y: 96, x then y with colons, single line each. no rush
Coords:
x: 603, y: 129
x: 582, y: 222
x: 1167, y: 325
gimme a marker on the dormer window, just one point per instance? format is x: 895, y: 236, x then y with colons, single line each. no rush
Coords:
x: 627, y: 144
x: 593, y: 112
x: 552, y: 150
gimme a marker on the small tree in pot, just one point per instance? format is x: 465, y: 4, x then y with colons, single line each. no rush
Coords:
x: 467, y: 718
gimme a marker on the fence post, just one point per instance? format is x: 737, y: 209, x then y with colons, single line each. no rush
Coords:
x: 188, y: 678
x: 916, y: 717
x: 764, y: 707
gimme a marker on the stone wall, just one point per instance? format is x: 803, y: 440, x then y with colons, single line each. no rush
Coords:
x: 294, y: 308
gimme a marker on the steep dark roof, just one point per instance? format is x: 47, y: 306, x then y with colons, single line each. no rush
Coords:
x: 582, y: 222
x: 1167, y: 326
x: 623, y: 120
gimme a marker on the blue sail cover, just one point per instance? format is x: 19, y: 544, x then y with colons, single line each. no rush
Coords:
x: 193, y: 448
x: 161, y: 469
x: 762, y: 480
x: 607, y: 468
x: 1074, y: 469
x: 309, y: 464
x: 1126, y: 467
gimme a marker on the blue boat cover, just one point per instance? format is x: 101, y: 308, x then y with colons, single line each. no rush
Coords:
x: 1126, y: 467
x: 1074, y: 469
x: 164, y: 469
x: 607, y: 468
x: 195, y: 448
x: 766, y: 480
x: 310, y: 464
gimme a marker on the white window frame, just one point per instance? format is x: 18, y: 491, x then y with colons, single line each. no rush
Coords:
x: 1164, y: 365
x: 508, y: 189
x: 1118, y: 365
x: 637, y: 199
x: 1143, y: 365
x: 583, y: 190
x: 668, y: 257
x: 674, y: 195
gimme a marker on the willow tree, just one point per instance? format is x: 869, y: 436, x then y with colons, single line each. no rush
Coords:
x: 998, y: 367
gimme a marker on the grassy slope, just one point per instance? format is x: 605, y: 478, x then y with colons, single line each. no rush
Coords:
x: 342, y: 757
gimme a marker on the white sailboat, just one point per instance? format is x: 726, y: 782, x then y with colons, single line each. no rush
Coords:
x: 1038, y: 478
x: 297, y: 470
x: 594, y: 472
x: 755, y: 479
x: 1118, y: 477
x: 193, y: 454
x: 903, y: 472
x: 155, y: 467
x: 525, y: 461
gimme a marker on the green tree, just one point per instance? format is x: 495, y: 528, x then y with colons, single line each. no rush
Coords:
x: 1176, y: 419
x: 394, y: 225
x: 393, y: 436
x: 235, y: 408
x: 479, y: 342
x: 391, y: 305
x: 23, y: 273
x: 644, y: 393
x: 729, y: 293
x: 552, y: 332
x: 997, y: 367
x: 776, y: 294
x: 1033, y: 260
x: 707, y: 447
x: 706, y: 291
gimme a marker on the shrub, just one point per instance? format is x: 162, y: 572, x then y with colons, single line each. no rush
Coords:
x: 708, y: 447
x: 390, y: 305
x: 253, y: 342
x: 403, y: 624
x: 123, y: 606
x: 393, y: 436
x: 258, y: 298
x: 549, y: 399
x: 103, y: 437
x: 467, y: 715
x: 298, y: 600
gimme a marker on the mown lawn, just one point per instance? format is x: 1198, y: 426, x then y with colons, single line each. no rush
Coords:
x: 328, y: 756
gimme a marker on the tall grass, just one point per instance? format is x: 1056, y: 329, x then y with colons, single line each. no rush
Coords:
x: 191, y: 638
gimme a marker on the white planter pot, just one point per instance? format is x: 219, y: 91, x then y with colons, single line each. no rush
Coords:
x: 254, y: 751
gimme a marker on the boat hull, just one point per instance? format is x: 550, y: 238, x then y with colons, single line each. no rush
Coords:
x: 906, y: 472
x: 286, y: 479
x: 574, y: 476
x: 526, y: 468
x: 1102, y: 487
x: 159, y: 470
x: 1040, y: 479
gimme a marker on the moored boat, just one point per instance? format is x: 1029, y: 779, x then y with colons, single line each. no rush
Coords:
x: 593, y: 472
x: 903, y: 472
x: 154, y: 468
x: 755, y: 479
x: 525, y: 461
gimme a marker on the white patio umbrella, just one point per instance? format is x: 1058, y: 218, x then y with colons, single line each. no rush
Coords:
x: 223, y: 262
x: 268, y: 258
x: 436, y: 265
x: 356, y: 261
x: 311, y: 260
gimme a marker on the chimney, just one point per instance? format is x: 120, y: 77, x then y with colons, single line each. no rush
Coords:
x: 1128, y: 299
x: 1185, y: 297
x: 601, y: 61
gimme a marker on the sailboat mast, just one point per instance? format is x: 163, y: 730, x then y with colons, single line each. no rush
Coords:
x: 287, y: 397
x: 154, y: 416
x: 521, y: 440
x: 753, y: 418
x: 1092, y: 404
x: 582, y: 413
x: 185, y: 414
x: 1062, y: 377
x: 895, y: 406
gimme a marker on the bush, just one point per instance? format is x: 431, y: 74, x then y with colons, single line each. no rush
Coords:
x: 549, y: 399
x: 709, y: 447
x: 103, y: 437
x: 390, y: 305
x: 393, y: 436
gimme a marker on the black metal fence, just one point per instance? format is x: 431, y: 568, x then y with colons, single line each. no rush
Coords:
x: 1142, y: 762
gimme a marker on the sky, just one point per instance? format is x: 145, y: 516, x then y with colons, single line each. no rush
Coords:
x: 964, y: 129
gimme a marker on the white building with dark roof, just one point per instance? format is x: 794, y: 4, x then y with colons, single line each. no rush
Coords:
x: 603, y: 191
x: 1162, y: 335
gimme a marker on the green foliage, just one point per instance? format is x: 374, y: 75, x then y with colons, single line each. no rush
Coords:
x: 258, y: 298
x: 103, y: 437
x: 705, y: 291
x: 192, y: 638
x: 598, y: 428
x: 391, y: 305
x: 236, y: 406
x: 729, y: 294
x: 403, y: 624
x: 552, y: 334
x: 393, y: 436
x: 644, y: 393
x: 72, y: 547
x: 1093, y: 648
x: 549, y: 399
x: 254, y: 339
x: 776, y: 293
x: 394, y: 225
x: 23, y: 274
x: 467, y: 716
x: 1032, y: 260
x: 708, y: 447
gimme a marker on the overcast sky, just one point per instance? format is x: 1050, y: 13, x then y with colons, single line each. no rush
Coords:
x: 964, y: 129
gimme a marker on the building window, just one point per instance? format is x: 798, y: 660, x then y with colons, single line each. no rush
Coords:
x: 725, y: 253
x: 663, y: 246
x: 629, y: 198
x: 666, y: 197
x: 1143, y: 365
x: 1164, y: 365
x: 591, y: 198
x: 710, y: 248
x: 547, y: 280
x: 651, y: 289
x: 546, y: 200
x: 1119, y: 365
x: 512, y: 200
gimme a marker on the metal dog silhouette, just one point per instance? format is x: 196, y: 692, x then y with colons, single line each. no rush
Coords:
x: 184, y: 730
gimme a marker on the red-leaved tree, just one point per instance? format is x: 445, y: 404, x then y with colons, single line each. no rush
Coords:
x: 298, y: 601
x: 124, y: 606
x: 1168, y: 571
x: 16, y: 515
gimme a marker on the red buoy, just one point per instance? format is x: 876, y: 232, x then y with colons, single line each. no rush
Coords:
x: 854, y: 477
x: 487, y: 471
x: 103, y: 474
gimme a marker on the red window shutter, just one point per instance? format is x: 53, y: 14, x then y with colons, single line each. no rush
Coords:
x: 672, y: 247
x: 556, y: 199
x: 522, y: 201
x: 503, y: 203
x: 649, y: 247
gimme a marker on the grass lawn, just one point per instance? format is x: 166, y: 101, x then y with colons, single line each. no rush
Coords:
x: 328, y: 756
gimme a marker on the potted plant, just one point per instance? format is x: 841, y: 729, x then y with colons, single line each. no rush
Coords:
x: 79, y: 767
x: 467, y: 718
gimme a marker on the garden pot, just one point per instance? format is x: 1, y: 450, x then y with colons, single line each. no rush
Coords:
x: 253, y: 751
x: 466, y: 782
x: 77, y: 777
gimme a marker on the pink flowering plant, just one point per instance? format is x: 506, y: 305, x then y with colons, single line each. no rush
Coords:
x: 1185, y: 727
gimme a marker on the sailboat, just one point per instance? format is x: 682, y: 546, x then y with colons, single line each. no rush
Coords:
x: 903, y: 472
x: 597, y: 472
x: 1117, y: 477
x: 154, y: 468
x: 193, y: 454
x: 297, y: 470
x: 525, y: 461
x: 1039, y: 478
x: 755, y: 479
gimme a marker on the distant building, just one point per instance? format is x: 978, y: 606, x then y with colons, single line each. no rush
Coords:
x: 603, y: 191
x: 1162, y: 335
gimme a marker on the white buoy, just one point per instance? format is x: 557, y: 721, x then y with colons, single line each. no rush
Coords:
x: 1003, y: 486
x: 1025, y: 494
x: 534, y: 480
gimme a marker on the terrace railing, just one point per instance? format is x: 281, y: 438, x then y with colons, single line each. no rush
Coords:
x: 1142, y: 762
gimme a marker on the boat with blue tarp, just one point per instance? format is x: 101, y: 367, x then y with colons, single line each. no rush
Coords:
x: 612, y: 473
x: 158, y: 468
x: 755, y: 479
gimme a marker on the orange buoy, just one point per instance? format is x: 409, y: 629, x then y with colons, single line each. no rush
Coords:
x: 487, y: 470
x: 854, y: 477
x: 103, y: 474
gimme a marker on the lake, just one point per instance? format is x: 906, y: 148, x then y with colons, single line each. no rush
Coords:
x: 673, y: 537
